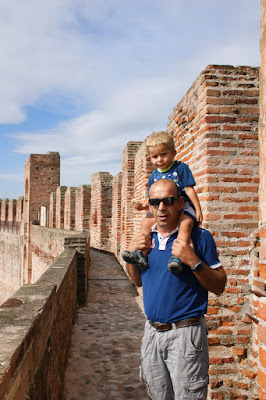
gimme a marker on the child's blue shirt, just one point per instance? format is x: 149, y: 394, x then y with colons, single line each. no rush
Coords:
x: 178, y: 172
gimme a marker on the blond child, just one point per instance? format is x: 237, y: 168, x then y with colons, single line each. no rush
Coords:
x: 161, y: 150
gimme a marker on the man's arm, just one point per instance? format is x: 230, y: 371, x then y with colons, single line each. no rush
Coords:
x: 138, y: 242
x: 213, y: 280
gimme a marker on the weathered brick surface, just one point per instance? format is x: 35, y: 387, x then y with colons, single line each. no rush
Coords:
x: 101, y: 210
x: 19, y: 209
x: 215, y: 130
x: 261, y: 274
x: 10, y: 262
x: 116, y: 215
x: 82, y: 209
x: 46, y: 245
x: 60, y: 207
x: 42, y: 176
x: 4, y: 210
x: 33, y: 362
x: 38, y: 319
x: 12, y: 208
x: 52, y: 210
x: 70, y: 208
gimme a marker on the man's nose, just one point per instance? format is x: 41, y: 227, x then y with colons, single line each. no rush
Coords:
x: 161, y: 205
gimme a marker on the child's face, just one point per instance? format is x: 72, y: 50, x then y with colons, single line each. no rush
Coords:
x: 161, y: 156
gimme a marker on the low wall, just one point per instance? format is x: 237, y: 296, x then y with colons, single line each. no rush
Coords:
x: 46, y: 245
x: 36, y: 325
x: 10, y: 261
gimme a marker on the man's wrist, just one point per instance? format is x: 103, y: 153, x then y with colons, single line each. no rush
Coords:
x: 197, y: 267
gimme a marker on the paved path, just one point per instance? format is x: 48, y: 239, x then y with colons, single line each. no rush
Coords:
x: 106, y: 338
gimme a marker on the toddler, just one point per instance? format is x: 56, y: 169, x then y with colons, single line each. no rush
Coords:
x: 161, y: 150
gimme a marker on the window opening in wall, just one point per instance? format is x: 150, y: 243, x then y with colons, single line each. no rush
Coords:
x: 43, y: 216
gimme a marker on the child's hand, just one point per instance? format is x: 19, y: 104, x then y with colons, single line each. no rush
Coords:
x: 199, y: 216
x: 140, y: 205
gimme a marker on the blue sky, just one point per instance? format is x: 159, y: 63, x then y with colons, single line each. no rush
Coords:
x: 84, y: 77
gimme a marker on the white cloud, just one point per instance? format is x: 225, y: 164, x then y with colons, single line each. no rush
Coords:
x: 119, y: 67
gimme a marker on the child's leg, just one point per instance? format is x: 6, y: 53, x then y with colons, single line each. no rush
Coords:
x: 185, y: 227
x: 139, y: 257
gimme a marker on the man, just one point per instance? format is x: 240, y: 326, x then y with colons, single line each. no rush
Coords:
x: 174, y: 349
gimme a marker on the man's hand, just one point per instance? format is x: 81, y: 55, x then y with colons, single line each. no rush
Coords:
x: 213, y: 280
x: 184, y: 252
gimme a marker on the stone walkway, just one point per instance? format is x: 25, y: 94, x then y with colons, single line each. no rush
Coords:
x: 105, y: 350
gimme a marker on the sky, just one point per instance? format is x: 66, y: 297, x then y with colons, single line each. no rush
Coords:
x: 84, y: 77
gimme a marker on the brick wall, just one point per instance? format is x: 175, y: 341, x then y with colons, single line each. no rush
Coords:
x: 12, y: 208
x: 19, y: 209
x: 42, y: 176
x: 52, y: 210
x: 143, y: 169
x: 260, y: 277
x: 10, y: 262
x: 34, y: 355
x: 116, y: 215
x: 60, y: 207
x: 46, y: 245
x: 101, y: 210
x: 215, y: 130
x: 4, y: 210
x: 70, y: 208
x: 82, y: 216
x: 42, y: 172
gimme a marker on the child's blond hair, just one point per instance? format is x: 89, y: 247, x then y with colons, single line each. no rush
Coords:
x: 160, y: 137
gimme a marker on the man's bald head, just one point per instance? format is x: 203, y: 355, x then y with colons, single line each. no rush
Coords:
x: 165, y: 183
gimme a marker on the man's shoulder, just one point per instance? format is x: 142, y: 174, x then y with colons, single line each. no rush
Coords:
x: 199, y: 233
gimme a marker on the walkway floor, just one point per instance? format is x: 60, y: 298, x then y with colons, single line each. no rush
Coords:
x: 105, y: 350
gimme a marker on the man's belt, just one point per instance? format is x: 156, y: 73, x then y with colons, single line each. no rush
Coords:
x: 161, y: 327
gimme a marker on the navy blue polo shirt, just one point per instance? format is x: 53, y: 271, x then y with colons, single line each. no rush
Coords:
x: 168, y: 297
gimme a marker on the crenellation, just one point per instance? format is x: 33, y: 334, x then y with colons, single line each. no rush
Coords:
x: 116, y: 215
x: 52, y: 210
x: 70, y: 208
x: 12, y: 208
x: 101, y: 210
x: 60, y: 207
x: 4, y: 210
x: 82, y: 213
x: 19, y: 210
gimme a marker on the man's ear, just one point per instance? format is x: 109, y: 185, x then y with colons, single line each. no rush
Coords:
x: 180, y: 203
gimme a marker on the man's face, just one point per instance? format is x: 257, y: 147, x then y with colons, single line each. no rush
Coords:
x: 166, y: 216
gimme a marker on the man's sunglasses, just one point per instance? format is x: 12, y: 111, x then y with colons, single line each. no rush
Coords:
x: 167, y: 201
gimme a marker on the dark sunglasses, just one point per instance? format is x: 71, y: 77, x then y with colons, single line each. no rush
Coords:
x: 167, y: 201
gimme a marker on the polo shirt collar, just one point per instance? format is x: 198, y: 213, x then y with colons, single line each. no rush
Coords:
x: 163, y: 239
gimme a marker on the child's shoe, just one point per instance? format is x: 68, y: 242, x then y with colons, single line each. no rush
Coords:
x: 175, y: 265
x: 136, y: 258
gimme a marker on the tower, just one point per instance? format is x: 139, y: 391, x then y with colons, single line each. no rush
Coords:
x: 42, y: 177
